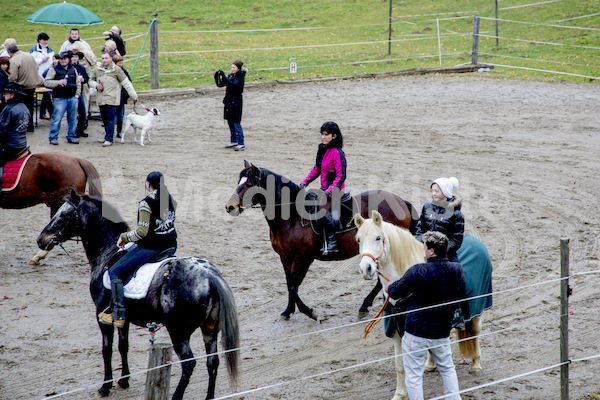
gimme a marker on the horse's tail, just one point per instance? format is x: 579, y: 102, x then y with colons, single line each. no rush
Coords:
x: 93, y: 178
x: 230, y: 332
x: 469, y: 348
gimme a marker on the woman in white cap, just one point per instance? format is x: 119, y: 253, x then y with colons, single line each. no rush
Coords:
x: 443, y: 214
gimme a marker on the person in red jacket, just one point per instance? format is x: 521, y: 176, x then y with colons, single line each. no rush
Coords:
x: 330, y: 166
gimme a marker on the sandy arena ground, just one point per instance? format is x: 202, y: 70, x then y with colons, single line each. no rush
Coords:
x: 526, y: 154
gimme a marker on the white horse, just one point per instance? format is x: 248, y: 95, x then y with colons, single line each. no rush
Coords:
x: 387, y: 252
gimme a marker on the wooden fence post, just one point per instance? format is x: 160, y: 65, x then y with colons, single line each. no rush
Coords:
x: 390, y: 30
x: 475, y: 52
x: 154, y: 54
x: 497, y: 37
x: 158, y: 380
x: 565, y: 292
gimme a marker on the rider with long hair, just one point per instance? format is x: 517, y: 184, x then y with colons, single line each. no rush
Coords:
x: 330, y: 166
x: 155, y: 233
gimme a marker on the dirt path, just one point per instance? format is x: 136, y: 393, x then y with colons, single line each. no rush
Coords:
x: 526, y: 154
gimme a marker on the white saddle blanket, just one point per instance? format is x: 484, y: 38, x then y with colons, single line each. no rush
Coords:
x: 137, y: 287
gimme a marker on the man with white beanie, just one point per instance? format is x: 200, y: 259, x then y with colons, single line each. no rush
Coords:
x: 443, y: 214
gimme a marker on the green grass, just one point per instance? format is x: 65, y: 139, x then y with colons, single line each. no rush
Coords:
x: 218, y: 40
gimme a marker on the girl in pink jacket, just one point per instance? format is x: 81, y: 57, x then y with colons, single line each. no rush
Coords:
x: 330, y: 166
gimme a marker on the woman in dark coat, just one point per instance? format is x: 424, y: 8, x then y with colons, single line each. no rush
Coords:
x: 443, y: 214
x: 234, y: 83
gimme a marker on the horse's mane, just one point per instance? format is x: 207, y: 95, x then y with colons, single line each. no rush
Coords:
x: 280, y: 182
x: 405, y: 250
x: 108, y: 212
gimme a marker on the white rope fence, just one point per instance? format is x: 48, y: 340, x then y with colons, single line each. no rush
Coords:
x: 363, y: 322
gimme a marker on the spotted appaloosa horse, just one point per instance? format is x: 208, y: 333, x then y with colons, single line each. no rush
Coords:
x: 186, y: 293
x: 48, y: 178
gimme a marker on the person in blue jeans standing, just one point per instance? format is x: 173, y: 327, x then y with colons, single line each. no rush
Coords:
x: 438, y: 281
x: 234, y: 83
x: 64, y: 81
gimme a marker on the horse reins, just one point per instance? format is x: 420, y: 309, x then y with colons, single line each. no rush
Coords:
x: 377, y: 317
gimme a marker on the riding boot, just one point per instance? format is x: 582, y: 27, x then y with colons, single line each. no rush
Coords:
x: 329, y: 225
x: 118, y: 299
x: 117, y: 317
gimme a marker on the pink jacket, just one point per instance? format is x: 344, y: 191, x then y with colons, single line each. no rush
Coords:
x: 332, y: 168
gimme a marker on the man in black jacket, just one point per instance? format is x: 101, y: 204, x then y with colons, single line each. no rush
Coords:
x: 438, y: 281
x: 13, y: 123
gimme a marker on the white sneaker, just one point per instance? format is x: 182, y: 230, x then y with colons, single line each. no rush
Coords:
x: 107, y: 143
x: 240, y: 147
x: 231, y: 145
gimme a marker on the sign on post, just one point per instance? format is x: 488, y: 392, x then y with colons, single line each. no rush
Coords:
x: 293, y: 67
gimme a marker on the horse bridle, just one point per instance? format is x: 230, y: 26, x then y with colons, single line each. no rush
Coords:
x: 376, y: 259
x: 240, y: 199
x: 57, y: 239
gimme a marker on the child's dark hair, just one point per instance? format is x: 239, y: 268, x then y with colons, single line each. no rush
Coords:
x: 333, y: 128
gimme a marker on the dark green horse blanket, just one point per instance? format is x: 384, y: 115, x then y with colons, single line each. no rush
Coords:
x: 476, y: 263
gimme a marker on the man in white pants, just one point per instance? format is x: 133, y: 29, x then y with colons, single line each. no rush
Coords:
x: 437, y: 281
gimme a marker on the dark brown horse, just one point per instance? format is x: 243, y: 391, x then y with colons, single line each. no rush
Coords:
x: 292, y: 236
x: 48, y: 178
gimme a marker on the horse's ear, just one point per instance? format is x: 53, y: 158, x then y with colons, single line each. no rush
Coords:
x: 247, y: 164
x: 358, y: 220
x: 376, y: 218
x: 74, y: 196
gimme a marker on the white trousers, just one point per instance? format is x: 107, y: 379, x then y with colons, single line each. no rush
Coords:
x: 414, y: 355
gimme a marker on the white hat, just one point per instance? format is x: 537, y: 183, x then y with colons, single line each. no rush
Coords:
x: 446, y: 185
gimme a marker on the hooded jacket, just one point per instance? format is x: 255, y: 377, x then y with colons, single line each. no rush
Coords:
x: 444, y: 217
x: 112, y: 79
x: 13, y: 124
x: 37, y: 51
x: 233, y: 93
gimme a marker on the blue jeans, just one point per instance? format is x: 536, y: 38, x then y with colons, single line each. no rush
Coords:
x: 108, y: 114
x: 60, y: 106
x: 414, y: 352
x: 237, y: 134
x: 120, y: 115
x: 130, y: 262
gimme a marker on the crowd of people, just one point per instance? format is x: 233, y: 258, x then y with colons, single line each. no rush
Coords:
x: 67, y: 78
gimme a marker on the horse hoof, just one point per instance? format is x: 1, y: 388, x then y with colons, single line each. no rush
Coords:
x: 123, y: 383
x: 284, y: 317
x: 34, y: 261
x: 363, y: 314
x: 103, y: 392
x: 313, y: 314
x: 429, y: 368
x: 476, y: 371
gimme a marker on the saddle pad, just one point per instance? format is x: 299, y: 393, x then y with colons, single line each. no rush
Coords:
x: 137, y: 287
x: 12, y: 173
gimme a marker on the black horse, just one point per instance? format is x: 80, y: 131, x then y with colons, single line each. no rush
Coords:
x: 291, y: 234
x: 185, y: 293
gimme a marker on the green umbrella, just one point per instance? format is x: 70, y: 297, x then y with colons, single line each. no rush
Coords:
x: 66, y: 14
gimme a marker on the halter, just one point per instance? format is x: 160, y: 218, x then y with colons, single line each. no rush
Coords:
x: 377, y: 317
x: 235, y: 194
x: 56, y: 240
x: 149, y: 110
x: 376, y: 259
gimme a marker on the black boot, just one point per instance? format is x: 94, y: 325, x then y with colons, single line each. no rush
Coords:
x: 117, y: 318
x: 330, y: 245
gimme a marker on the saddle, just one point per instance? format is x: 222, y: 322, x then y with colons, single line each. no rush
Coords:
x: 346, y: 209
x: 137, y: 283
x: 10, y: 173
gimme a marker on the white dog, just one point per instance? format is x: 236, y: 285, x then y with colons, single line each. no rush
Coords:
x: 143, y: 122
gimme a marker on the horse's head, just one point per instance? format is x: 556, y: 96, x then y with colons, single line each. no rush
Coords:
x: 63, y: 224
x: 371, y: 243
x: 249, y: 178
